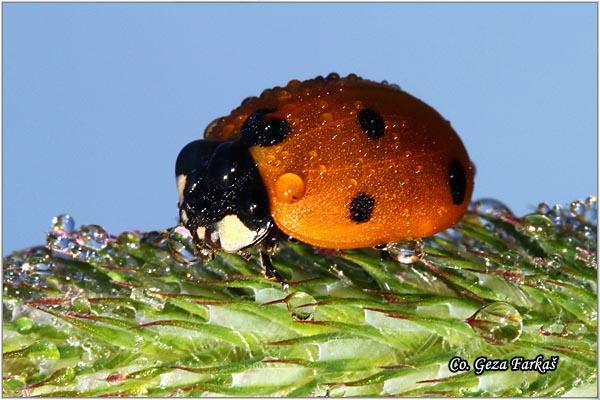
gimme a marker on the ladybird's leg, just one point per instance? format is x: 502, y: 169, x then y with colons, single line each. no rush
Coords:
x: 246, y: 255
x: 203, y: 251
x: 268, y: 268
x: 267, y: 248
x: 384, y: 253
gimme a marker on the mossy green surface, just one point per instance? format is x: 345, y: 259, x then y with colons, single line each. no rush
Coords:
x: 125, y: 318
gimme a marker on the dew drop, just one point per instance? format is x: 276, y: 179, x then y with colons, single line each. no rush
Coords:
x: 406, y: 252
x: 63, y: 223
x: 24, y: 325
x: 93, y: 237
x: 553, y: 328
x: 289, y: 188
x: 337, y: 391
x: 44, y: 350
x: 155, y: 238
x: 537, y: 225
x: 556, y: 215
x: 490, y: 208
x: 59, y: 242
x: 577, y: 209
x: 589, y: 233
x: 543, y: 208
x: 302, y: 305
x: 129, y: 239
x: 181, y: 245
x: 497, y: 323
x: 591, y: 213
x: 80, y: 305
x: 575, y: 328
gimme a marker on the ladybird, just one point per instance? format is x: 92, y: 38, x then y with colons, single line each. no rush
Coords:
x: 337, y: 163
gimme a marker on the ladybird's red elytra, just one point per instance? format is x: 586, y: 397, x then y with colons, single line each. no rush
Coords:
x: 334, y: 162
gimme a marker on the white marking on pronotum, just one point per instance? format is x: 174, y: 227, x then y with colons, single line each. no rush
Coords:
x: 200, y: 231
x: 181, y: 180
x: 234, y: 235
x: 184, y: 216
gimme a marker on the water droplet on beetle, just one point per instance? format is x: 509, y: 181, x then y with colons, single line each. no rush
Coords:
x: 406, y: 252
x: 181, y: 245
x: 322, y: 104
x: 294, y: 84
x: 497, y: 323
x: 283, y: 95
x: 302, y: 305
x: 289, y: 188
x: 226, y: 131
x: 93, y: 237
x: 325, y: 117
x: 64, y: 223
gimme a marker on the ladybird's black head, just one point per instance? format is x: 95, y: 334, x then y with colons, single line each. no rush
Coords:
x: 222, y: 199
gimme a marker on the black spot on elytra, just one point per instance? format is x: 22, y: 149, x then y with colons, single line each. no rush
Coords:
x: 361, y: 208
x: 260, y: 129
x: 371, y: 122
x: 457, y: 181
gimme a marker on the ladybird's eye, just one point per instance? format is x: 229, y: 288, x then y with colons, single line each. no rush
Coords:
x: 361, y: 207
x: 457, y: 181
x: 371, y: 123
x: 264, y: 130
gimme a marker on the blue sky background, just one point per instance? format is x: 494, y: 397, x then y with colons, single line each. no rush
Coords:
x: 99, y: 98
